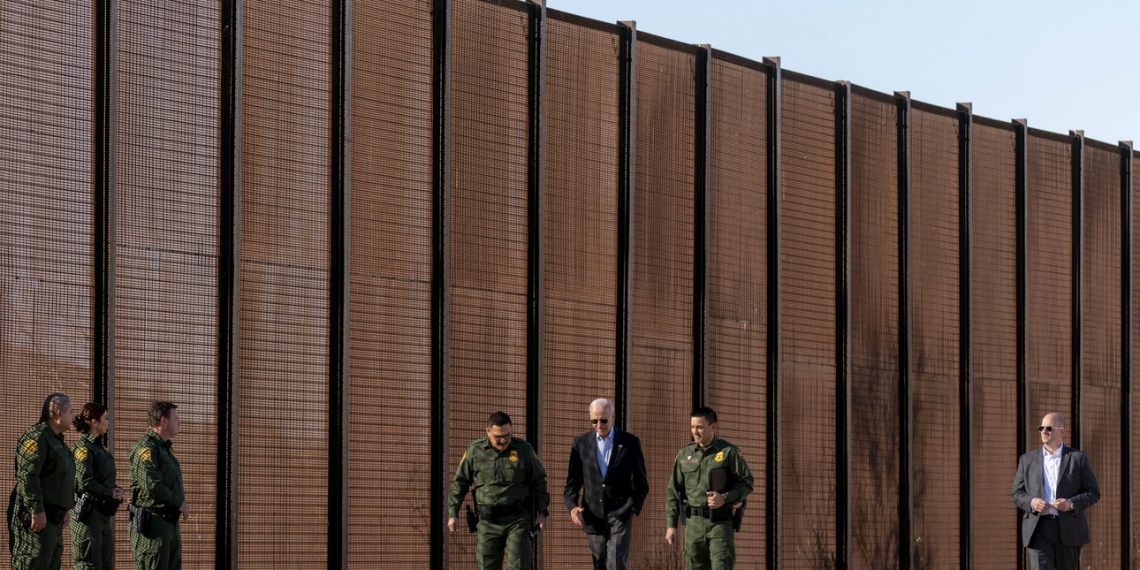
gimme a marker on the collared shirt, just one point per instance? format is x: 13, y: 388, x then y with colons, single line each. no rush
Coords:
x: 605, y: 447
x: 1052, y: 463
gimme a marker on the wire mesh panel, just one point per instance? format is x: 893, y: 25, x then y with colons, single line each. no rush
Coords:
x: 1135, y: 364
x: 935, y: 340
x: 1100, y: 349
x: 45, y: 215
x: 283, y: 409
x: 994, y: 447
x: 166, y: 249
x: 390, y: 292
x: 807, y: 329
x: 488, y: 289
x: 580, y: 247
x: 736, y: 330
x: 874, y: 343
x: 660, y: 391
x: 1049, y: 298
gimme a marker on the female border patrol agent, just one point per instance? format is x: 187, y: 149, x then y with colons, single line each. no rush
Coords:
x: 45, y: 478
x: 97, y: 496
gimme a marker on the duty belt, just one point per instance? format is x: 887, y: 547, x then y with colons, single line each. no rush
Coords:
x: 715, y: 515
x: 493, y: 512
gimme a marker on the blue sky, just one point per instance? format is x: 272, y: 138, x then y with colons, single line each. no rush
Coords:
x: 1061, y: 65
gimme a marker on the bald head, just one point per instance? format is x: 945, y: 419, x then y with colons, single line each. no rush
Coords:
x: 1052, y: 431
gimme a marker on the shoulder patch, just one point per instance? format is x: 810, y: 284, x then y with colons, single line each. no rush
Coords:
x: 144, y: 454
x: 29, y: 447
x: 81, y: 454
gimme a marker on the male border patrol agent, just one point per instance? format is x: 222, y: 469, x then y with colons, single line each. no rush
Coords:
x: 45, y: 481
x: 510, y: 489
x: 157, y: 496
x: 709, y: 477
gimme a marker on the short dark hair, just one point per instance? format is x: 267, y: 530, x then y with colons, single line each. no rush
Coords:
x: 498, y: 419
x: 91, y: 412
x: 157, y: 411
x: 704, y: 412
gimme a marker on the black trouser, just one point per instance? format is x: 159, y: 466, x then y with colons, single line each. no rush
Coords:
x: 1047, y: 552
x: 610, y: 548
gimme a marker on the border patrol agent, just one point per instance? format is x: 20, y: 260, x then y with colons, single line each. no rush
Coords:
x: 510, y: 496
x: 97, y: 496
x: 158, y: 499
x: 45, y: 478
x: 709, y: 477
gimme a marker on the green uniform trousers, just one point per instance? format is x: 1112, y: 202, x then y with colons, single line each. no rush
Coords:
x: 41, y: 550
x: 159, y: 548
x: 92, y: 545
x: 511, y: 534
x: 709, y: 545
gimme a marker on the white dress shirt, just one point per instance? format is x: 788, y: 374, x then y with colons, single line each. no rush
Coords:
x: 1052, y: 463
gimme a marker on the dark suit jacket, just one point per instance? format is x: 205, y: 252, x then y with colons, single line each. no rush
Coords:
x: 623, y: 490
x: 1075, y: 481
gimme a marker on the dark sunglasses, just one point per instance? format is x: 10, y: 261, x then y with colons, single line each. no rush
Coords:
x: 594, y: 421
x: 1047, y: 428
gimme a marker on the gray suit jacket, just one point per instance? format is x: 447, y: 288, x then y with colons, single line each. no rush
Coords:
x: 1075, y: 481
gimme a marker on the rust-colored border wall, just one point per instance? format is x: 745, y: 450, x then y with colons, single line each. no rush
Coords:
x: 807, y: 305
x: 128, y: 218
x: 993, y: 271
x: 167, y: 249
x: 1049, y: 295
x: 488, y: 288
x: 390, y: 287
x: 936, y: 338
x: 736, y: 383
x: 660, y: 390
x: 581, y: 225
x: 873, y: 355
x: 1100, y: 347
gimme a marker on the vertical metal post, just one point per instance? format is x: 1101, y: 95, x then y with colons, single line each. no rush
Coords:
x: 965, y: 337
x: 536, y: 92
x: 1021, y: 160
x: 229, y: 280
x: 1126, y: 475
x: 843, y: 98
x: 103, y: 150
x: 627, y: 154
x: 772, y: 467
x: 441, y: 241
x: 339, y: 267
x: 906, y: 437
x: 1078, y: 167
x: 701, y: 179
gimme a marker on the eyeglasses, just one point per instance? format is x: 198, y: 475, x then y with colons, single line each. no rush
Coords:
x: 502, y: 437
x: 1048, y: 428
x: 594, y: 421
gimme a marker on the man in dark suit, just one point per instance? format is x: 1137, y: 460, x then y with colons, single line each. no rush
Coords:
x: 1054, y: 485
x: 607, y: 471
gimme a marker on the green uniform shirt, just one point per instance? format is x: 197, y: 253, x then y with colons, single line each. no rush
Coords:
x: 94, y: 468
x: 690, y: 478
x: 156, y: 476
x: 500, y: 478
x: 45, y: 471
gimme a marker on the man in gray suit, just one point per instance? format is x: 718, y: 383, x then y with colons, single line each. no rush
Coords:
x: 606, y: 486
x: 1054, y: 485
